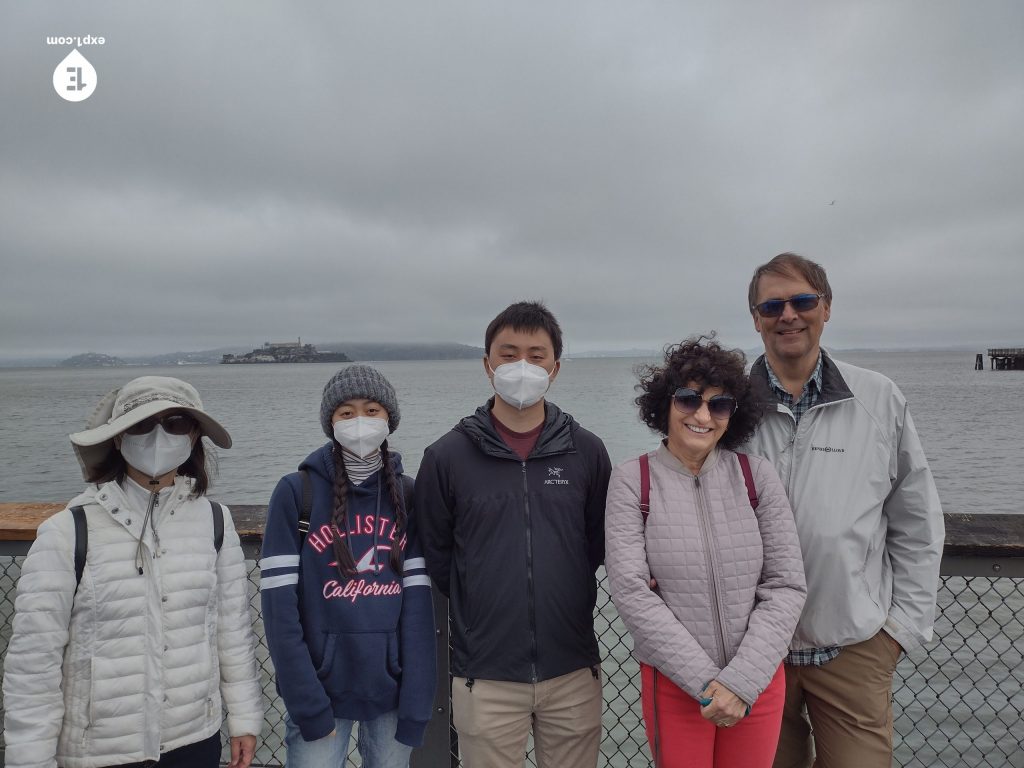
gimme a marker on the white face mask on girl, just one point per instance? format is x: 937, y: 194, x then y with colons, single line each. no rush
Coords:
x: 520, y: 384
x: 156, y: 453
x: 361, y: 435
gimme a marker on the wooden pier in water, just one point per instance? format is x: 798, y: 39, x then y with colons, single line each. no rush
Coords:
x: 1002, y: 359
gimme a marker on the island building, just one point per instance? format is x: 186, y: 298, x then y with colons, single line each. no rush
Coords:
x: 287, y: 352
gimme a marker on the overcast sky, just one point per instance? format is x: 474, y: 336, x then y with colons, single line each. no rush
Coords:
x: 396, y: 171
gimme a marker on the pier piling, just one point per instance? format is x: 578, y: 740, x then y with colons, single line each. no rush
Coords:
x: 1006, y: 359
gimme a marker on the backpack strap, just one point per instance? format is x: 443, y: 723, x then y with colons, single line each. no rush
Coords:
x: 748, y: 478
x: 218, y: 525
x: 408, y: 485
x: 81, y: 542
x: 306, y: 510
x: 645, y: 486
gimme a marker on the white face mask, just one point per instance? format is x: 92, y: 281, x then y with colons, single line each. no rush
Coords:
x: 156, y: 453
x: 361, y: 435
x: 520, y: 384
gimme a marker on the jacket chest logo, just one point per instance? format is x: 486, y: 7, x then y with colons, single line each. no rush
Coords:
x: 555, y: 477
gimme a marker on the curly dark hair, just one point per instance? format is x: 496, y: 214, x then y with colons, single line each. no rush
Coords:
x: 703, y: 360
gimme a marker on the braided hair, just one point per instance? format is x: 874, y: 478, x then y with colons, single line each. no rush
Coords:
x: 339, y: 514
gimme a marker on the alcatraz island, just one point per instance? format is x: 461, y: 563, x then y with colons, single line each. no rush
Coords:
x: 286, y: 352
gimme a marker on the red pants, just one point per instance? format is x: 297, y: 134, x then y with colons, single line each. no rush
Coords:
x: 680, y: 738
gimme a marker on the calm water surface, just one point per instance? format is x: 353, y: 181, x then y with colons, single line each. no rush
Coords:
x: 971, y: 422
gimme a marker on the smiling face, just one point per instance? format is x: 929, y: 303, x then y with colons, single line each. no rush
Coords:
x: 691, y: 436
x: 791, y: 341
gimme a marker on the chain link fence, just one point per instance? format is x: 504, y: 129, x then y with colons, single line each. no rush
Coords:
x: 958, y: 703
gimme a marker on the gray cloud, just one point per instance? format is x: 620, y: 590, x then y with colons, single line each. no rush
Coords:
x: 401, y: 171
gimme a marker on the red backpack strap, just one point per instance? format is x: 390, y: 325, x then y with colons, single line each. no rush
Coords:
x: 645, y: 487
x: 748, y: 478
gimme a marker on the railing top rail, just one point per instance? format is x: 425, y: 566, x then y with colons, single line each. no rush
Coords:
x: 966, y: 534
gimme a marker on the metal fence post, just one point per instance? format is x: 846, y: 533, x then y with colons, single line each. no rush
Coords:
x: 436, y: 749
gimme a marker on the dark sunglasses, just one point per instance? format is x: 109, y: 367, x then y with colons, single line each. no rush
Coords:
x: 175, y: 424
x: 689, y: 401
x: 802, y: 302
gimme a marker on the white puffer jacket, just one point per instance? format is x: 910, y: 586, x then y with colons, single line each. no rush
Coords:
x: 132, y: 665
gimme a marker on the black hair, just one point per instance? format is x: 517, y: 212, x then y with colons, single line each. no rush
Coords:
x: 526, y: 316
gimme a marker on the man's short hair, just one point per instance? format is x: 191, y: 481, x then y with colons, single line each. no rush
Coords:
x: 791, y: 265
x: 526, y: 316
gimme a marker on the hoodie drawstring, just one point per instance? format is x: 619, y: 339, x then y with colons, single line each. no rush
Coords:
x: 376, y: 527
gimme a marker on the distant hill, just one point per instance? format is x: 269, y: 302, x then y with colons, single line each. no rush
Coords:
x: 190, y: 358
x: 354, y: 350
x: 92, y: 360
x: 404, y: 351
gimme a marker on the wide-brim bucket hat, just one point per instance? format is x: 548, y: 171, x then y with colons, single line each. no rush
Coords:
x: 136, y: 401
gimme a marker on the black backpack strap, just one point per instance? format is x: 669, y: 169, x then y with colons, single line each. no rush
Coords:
x: 748, y: 478
x: 306, y: 510
x: 218, y: 525
x: 81, y: 542
x: 408, y: 485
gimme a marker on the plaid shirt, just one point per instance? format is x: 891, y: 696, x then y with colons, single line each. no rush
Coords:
x: 806, y: 657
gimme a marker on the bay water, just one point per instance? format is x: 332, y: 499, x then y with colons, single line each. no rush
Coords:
x: 971, y: 422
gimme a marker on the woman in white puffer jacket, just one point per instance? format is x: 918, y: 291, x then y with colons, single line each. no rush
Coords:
x: 131, y: 655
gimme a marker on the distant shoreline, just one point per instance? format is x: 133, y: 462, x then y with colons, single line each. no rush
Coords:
x: 427, y: 352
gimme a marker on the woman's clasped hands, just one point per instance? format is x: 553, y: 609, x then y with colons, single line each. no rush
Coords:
x: 721, y: 706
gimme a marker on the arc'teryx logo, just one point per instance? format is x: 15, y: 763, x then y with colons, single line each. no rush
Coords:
x: 555, y: 477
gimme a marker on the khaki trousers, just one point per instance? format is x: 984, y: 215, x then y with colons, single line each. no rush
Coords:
x: 848, y: 703
x: 493, y: 719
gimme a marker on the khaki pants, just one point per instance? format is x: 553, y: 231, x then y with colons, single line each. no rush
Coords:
x: 849, y: 704
x: 493, y: 719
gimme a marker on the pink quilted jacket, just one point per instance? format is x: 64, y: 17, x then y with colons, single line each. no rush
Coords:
x: 730, y: 579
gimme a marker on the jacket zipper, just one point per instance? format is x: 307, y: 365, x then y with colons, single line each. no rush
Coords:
x: 705, y: 526
x: 140, y: 556
x: 529, y: 579
x: 791, y: 445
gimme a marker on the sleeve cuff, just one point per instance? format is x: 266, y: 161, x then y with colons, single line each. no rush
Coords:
x: 317, y: 727
x: 410, y: 732
x: 907, y: 639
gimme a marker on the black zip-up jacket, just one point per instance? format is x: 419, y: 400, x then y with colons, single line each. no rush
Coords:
x: 515, y: 545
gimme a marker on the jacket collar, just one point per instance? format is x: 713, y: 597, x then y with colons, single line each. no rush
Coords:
x: 668, y: 459
x: 833, y: 386
x: 556, y: 436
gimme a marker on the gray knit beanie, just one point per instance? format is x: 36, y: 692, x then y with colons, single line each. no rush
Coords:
x: 358, y: 381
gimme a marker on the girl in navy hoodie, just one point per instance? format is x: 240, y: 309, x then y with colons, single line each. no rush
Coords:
x: 346, y: 600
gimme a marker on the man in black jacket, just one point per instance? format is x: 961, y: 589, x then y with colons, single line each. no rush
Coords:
x: 510, y: 505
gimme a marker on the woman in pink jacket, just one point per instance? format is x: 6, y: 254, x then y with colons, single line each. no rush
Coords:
x: 704, y: 565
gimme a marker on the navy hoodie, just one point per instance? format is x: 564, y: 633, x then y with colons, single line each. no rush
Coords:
x: 350, y: 648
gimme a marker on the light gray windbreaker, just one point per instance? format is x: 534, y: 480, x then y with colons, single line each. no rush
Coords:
x: 730, y: 581
x: 132, y: 665
x: 866, y: 508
